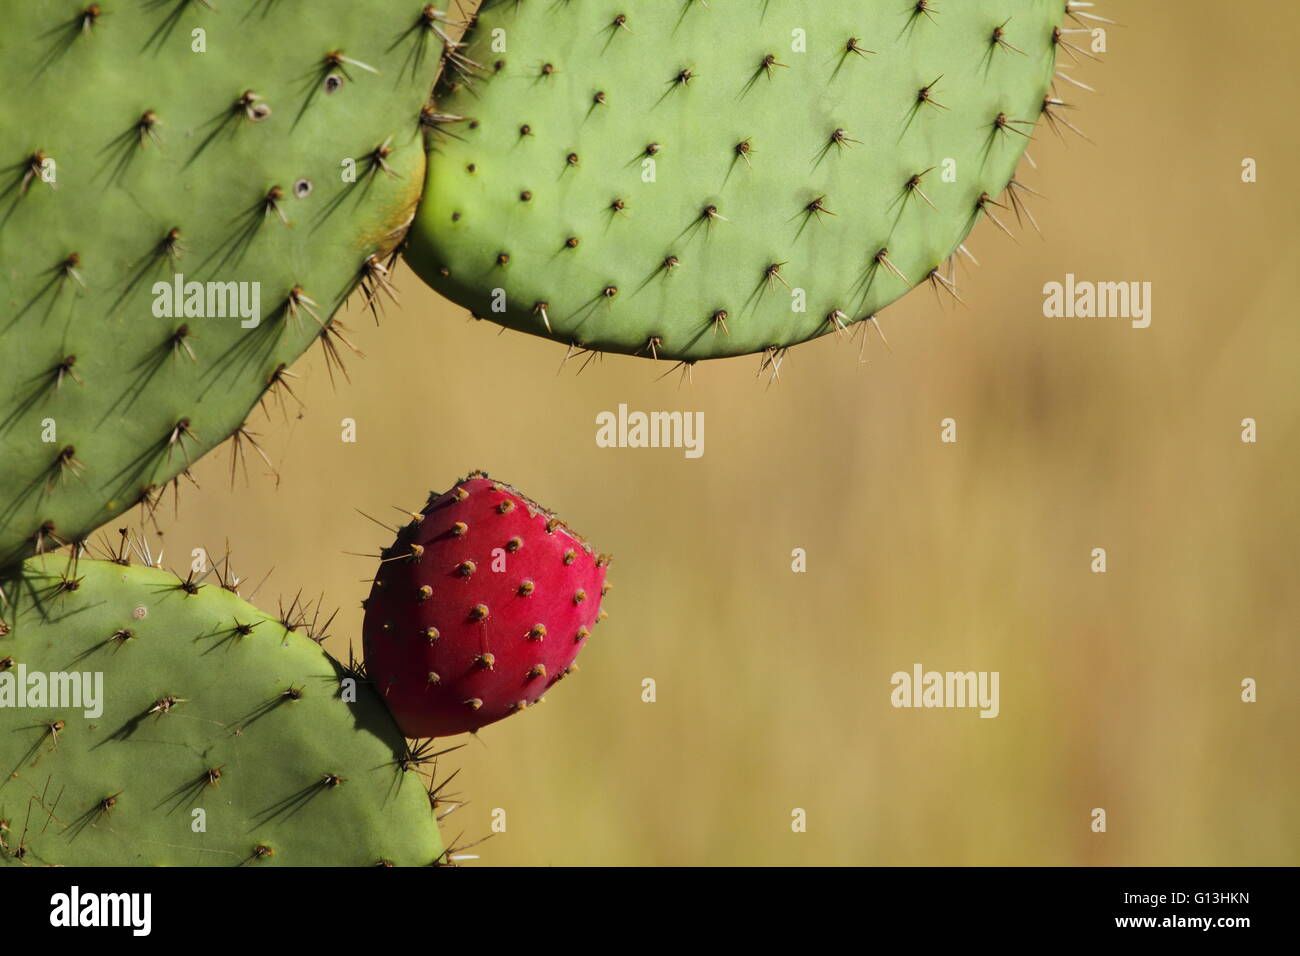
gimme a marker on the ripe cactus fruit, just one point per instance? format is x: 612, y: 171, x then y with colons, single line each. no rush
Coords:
x: 208, y: 704
x: 481, y: 604
x: 271, y: 154
x: 690, y: 180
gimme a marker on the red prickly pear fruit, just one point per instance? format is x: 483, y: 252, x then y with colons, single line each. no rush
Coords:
x: 480, y: 605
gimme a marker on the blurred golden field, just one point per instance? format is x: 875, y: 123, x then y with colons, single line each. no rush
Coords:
x: 1118, y: 690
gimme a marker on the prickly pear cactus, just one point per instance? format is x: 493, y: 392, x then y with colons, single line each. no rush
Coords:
x: 188, y: 191
x: 480, y: 606
x: 204, y: 733
x: 683, y: 179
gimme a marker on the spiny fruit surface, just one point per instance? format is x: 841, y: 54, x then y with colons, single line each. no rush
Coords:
x: 688, y: 180
x: 481, y: 604
x: 141, y: 141
x: 204, y: 704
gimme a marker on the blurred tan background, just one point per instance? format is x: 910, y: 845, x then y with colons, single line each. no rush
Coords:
x: 1118, y: 690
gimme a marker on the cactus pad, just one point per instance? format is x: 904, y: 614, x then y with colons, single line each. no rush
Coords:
x: 145, y: 140
x: 207, y: 704
x: 690, y: 180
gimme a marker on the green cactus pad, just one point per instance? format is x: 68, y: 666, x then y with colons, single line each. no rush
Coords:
x: 207, y: 704
x: 128, y: 157
x: 798, y: 150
